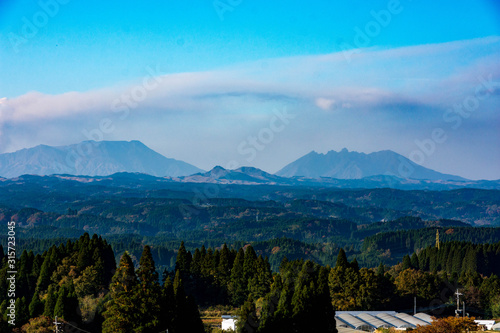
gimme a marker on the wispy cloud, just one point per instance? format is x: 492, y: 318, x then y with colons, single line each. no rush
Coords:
x: 398, y: 85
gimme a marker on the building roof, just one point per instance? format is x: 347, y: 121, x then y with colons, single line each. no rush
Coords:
x: 229, y: 317
x: 373, y: 313
x: 395, y: 321
x: 374, y: 321
x: 371, y: 320
x: 424, y: 317
x: 412, y: 319
x: 346, y: 330
x: 352, y: 322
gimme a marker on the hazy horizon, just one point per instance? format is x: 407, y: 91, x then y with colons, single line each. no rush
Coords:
x: 255, y: 83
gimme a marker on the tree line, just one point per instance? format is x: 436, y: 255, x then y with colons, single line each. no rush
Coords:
x: 80, y: 283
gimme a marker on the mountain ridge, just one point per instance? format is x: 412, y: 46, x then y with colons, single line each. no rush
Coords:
x: 92, y: 158
x: 343, y: 168
x: 354, y: 165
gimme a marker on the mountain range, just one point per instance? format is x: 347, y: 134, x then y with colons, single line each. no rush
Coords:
x: 354, y: 165
x: 334, y: 169
x: 92, y: 158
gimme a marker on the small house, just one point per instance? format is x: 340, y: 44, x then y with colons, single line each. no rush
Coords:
x: 229, y: 322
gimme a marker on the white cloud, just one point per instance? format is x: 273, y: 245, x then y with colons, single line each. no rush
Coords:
x: 376, y: 76
x: 394, y: 89
x: 325, y: 103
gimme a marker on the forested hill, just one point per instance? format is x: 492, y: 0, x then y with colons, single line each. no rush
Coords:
x: 408, y: 241
x: 81, y: 284
x: 457, y: 258
x: 126, y: 194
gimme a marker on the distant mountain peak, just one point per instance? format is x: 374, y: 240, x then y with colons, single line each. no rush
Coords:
x: 243, y: 175
x: 92, y: 158
x: 347, y: 164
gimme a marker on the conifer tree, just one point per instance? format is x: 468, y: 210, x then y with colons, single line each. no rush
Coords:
x: 247, y: 321
x: 457, y: 261
x: 84, y: 257
x: 45, y: 273
x: 196, y: 262
x: 67, y: 303
x: 187, y: 317
x: 284, y: 309
x: 22, y: 311
x: 270, y: 321
x: 207, y: 264
x: 237, y: 284
x: 167, y: 305
x: 249, y: 261
x: 259, y: 284
x: 224, y: 267
x: 36, y: 306
x: 406, y: 262
x: 98, y: 264
x: 414, y: 261
x: 380, y: 270
x: 50, y: 302
x: 148, y: 294
x: 121, y: 310
x: 183, y: 260
x: 354, y: 264
x: 342, y: 259
x: 470, y: 261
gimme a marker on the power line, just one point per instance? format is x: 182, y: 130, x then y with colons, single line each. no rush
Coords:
x: 77, y: 328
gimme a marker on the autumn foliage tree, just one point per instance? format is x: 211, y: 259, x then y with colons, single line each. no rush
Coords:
x: 449, y: 325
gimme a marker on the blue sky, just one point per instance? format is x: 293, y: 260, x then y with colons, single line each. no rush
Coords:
x: 208, y: 76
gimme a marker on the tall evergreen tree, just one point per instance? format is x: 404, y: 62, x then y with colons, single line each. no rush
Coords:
x: 414, y: 261
x: 354, y: 264
x: 121, y: 311
x: 237, y: 284
x: 406, y: 262
x: 36, y: 306
x: 249, y: 262
x: 342, y: 259
x: 148, y: 294
x: 183, y: 259
x: 22, y: 311
x: 259, y: 284
x: 67, y: 303
x: 187, y: 317
x: 196, y: 262
x: 45, y: 273
x: 248, y: 321
x: 381, y: 270
x: 167, y: 305
x: 224, y: 267
x: 50, y: 302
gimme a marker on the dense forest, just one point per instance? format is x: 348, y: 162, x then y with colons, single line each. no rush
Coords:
x: 79, y: 282
x: 275, y: 256
x: 127, y: 197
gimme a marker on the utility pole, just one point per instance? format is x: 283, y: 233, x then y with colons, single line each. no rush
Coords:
x: 458, y: 302
x: 437, y: 239
x: 57, y: 326
x: 414, y: 305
